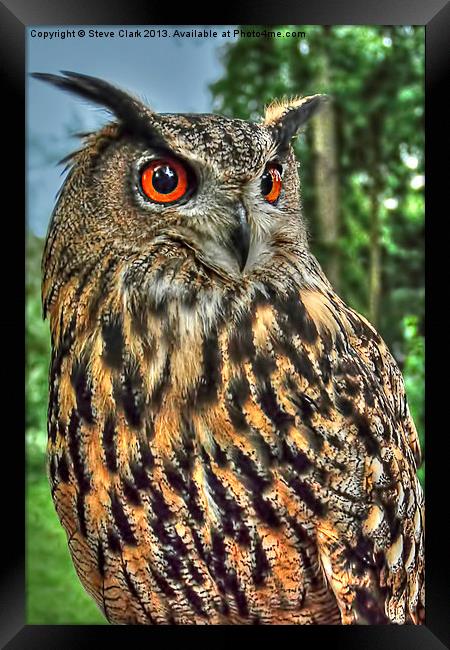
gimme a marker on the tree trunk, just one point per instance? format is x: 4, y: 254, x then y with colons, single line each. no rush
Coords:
x: 375, y: 256
x: 375, y: 270
x: 326, y: 175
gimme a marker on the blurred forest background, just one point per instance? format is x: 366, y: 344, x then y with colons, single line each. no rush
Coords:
x: 362, y: 175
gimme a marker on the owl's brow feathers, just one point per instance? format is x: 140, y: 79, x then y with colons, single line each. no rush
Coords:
x: 282, y: 119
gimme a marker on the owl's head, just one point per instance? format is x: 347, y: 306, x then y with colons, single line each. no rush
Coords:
x: 223, y: 191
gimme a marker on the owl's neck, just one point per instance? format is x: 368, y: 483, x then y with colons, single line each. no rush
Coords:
x: 154, y: 354
x: 169, y: 298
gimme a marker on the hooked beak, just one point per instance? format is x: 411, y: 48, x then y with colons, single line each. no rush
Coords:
x: 240, y: 237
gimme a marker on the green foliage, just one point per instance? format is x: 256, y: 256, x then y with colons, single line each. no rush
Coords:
x: 37, y: 360
x: 414, y: 375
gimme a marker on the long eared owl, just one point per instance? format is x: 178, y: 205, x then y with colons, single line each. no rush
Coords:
x: 228, y: 441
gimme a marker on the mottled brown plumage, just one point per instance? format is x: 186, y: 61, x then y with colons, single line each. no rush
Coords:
x: 228, y: 441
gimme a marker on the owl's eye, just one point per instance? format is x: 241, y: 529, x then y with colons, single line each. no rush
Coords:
x: 164, y: 180
x: 271, y: 182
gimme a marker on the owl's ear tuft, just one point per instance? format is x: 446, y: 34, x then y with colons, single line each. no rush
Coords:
x: 129, y: 110
x: 287, y: 116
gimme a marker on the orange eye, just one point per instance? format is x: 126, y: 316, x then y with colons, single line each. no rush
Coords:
x: 271, y: 183
x: 164, y: 181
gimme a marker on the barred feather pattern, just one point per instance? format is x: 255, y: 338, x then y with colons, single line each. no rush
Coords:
x: 241, y: 453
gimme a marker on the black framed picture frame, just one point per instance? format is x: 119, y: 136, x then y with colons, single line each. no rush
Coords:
x: 15, y: 17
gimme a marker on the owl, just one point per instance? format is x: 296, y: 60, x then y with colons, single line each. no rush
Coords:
x: 228, y: 441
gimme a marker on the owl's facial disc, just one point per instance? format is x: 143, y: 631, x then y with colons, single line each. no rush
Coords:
x: 164, y: 184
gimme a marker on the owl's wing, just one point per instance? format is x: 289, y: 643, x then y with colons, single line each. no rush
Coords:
x: 370, y: 537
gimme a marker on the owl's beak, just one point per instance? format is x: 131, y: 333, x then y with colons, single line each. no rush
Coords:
x: 240, y: 237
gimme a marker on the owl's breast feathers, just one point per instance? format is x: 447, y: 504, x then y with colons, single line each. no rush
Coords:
x: 249, y: 460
